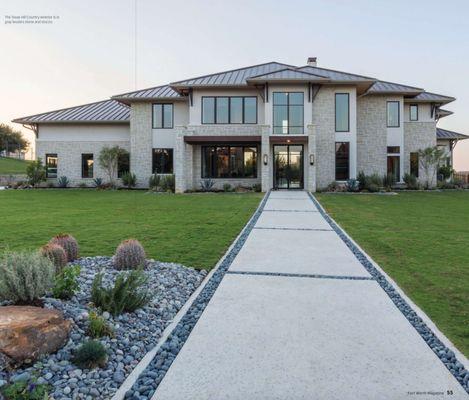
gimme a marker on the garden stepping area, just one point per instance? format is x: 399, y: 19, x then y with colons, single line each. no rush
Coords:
x: 296, y: 311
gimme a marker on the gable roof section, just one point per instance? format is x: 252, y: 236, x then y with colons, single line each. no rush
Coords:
x: 383, y: 87
x: 432, y: 98
x: 157, y: 92
x: 450, y: 135
x: 287, y: 74
x: 106, y: 111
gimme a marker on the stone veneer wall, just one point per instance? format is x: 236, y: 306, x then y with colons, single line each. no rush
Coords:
x: 69, y: 157
x: 371, y: 135
x: 324, y: 123
x: 141, y: 142
x: 418, y: 136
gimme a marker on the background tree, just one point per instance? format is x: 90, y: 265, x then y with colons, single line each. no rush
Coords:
x: 109, y: 161
x: 429, y: 159
x: 11, y: 140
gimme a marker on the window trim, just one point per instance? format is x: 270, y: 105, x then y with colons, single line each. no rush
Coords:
x: 82, y: 165
x: 398, y: 114
x: 288, y: 114
x: 54, y: 155
x: 243, y: 146
x: 335, y: 161
x: 348, y: 111
x: 162, y: 115
x: 229, y: 111
x: 410, y: 112
x: 153, y: 160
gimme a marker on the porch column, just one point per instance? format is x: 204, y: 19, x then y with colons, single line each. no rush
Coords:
x: 310, y: 184
x: 182, y: 161
x: 266, y: 170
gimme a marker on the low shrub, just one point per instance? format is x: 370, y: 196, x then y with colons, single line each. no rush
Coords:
x: 68, y: 243
x: 126, y: 295
x: 411, y: 181
x: 206, y: 185
x: 445, y: 172
x: 227, y: 187
x: 361, y: 177
x: 82, y: 185
x: 36, y: 172
x: 89, y: 355
x: 25, y: 277
x: 154, y: 182
x: 98, y: 183
x: 352, y: 185
x: 63, y: 182
x: 257, y: 187
x: 50, y: 185
x: 129, y: 180
x: 66, y: 283
x: 389, y: 180
x: 26, y: 390
x: 332, y: 187
x: 129, y: 255
x: 373, y: 188
x: 98, y: 327
x: 168, y: 183
x: 56, y: 254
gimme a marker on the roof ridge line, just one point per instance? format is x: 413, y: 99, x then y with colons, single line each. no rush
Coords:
x: 341, y: 72
x: 139, y: 90
x: 287, y: 69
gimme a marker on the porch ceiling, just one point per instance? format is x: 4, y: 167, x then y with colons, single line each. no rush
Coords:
x: 289, y: 139
x: 222, y: 139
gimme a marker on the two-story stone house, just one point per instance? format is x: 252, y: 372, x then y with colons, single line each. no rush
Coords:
x: 272, y: 124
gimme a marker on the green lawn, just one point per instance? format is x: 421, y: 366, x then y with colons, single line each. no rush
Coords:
x: 422, y: 241
x: 12, y: 166
x: 192, y: 229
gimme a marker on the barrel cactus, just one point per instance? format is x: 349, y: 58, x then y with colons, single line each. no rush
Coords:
x: 56, y: 254
x: 129, y: 255
x: 68, y: 243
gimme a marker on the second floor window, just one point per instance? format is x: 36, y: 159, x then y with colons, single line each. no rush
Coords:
x: 288, y: 108
x: 342, y: 112
x: 414, y: 112
x: 162, y: 116
x: 393, y: 114
x: 229, y: 110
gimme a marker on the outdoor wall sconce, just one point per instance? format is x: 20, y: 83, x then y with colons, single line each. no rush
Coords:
x: 266, y: 159
x: 311, y: 159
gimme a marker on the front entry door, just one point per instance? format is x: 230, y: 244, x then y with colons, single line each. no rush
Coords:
x: 288, y: 166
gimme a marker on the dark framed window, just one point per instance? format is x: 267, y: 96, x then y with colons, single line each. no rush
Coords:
x: 342, y: 112
x: 394, y: 149
x: 288, y: 109
x: 414, y: 112
x: 342, y: 161
x: 123, y: 164
x: 162, y: 116
x: 87, y: 165
x: 229, y: 162
x: 162, y: 161
x: 229, y: 110
x: 51, y: 165
x: 393, y: 114
x: 414, y: 164
x: 394, y: 167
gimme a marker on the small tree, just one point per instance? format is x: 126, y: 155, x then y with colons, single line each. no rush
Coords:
x: 429, y: 158
x: 109, y: 160
x: 11, y: 140
x: 36, y: 172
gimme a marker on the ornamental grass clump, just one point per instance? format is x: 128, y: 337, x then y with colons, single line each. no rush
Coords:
x: 129, y: 255
x: 56, y: 254
x: 91, y: 354
x: 68, y: 243
x: 25, y: 277
x: 98, y: 327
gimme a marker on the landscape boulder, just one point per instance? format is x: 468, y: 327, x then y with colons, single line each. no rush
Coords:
x: 26, y: 333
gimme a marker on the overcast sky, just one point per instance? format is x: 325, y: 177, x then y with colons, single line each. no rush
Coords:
x: 88, y: 53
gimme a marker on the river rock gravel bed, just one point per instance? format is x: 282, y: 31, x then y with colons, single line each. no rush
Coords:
x: 135, y: 333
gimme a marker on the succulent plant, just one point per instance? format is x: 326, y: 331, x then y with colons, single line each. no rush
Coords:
x: 129, y: 255
x: 68, y: 243
x: 56, y: 254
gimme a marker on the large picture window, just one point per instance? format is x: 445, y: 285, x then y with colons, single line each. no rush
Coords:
x: 342, y: 161
x: 342, y: 112
x: 393, y: 114
x: 162, y: 116
x: 394, y: 167
x: 288, y: 111
x: 229, y: 162
x: 162, y: 161
x: 51, y: 165
x: 87, y: 165
x: 229, y: 110
x: 123, y: 164
x: 414, y: 164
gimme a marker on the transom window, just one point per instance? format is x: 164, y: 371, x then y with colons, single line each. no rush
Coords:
x: 51, y: 165
x: 414, y: 112
x: 87, y: 165
x: 342, y: 112
x: 288, y: 109
x: 162, y: 161
x: 342, y: 161
x: 162, y: 116
x: 229, y: 110
x: 229, y: 162
x: 393, y: 114
x: 394, y: 149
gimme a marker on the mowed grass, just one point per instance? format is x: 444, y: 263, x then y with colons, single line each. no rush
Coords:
x: 421, y: 240
x: 12, y: 166
x: 192, y: 229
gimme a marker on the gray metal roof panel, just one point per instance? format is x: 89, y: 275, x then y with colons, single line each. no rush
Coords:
x: 101, y: 111
x: 433, y: 97
x: 164, y: 91
x: 391, y: 87
x: 445, y: 134
x: 335, y: 75
x: 288, y: 74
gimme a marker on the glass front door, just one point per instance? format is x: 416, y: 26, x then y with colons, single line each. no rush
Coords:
x: 288, y: 167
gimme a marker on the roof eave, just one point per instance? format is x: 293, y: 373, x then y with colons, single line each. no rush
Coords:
x: 107, y: 122
x: 129, y: 100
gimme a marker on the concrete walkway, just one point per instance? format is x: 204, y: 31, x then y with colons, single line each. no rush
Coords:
x: 298, y: 317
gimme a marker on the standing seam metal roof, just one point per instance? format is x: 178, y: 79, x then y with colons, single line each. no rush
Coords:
x: 445, y: 134
x: 164, y: 91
